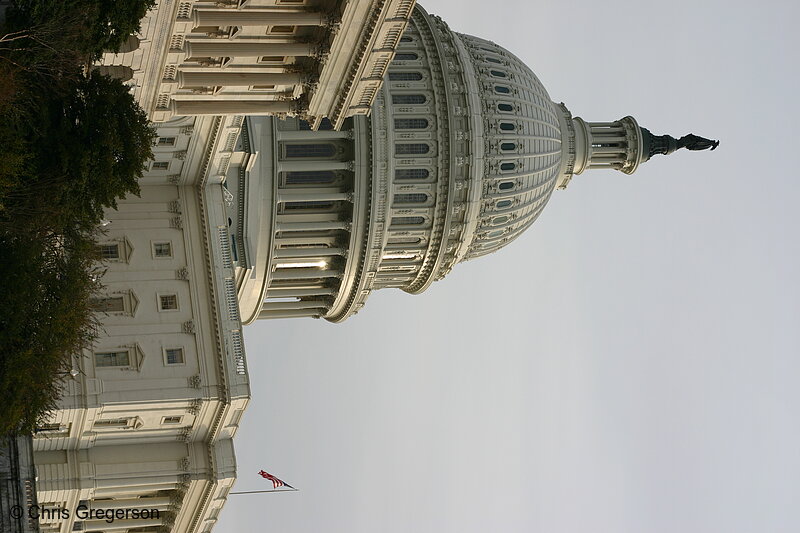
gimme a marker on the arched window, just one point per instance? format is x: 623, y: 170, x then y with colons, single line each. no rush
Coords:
x: 508, y: 147
x: 406, y: 39
x: 407, y: 221
x: 502, y: 204
x: 491, y: 59
x: 410, y: 123
x: 405, y: 76
x: 500, y: 220
x: 310, y: 176
x: 411, y: 173
x: 408, y: 99
x: 498, y: 73
x: 407, y: 56
x: 317, y: 151
x: 411, y: 198
x: 505, y: 107
x: 507, y: 126
x: 507, y: 185
x: 502, y: 89
x: 508, y: 166
x: 412, y: 149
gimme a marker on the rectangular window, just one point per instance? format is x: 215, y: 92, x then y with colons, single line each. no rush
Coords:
x: 282, y: 29
x: 263, y: 87
x: 316, y: 151
x: 112, y: 422
x: 272, y: 59
x: 108, y: 305
x: 109, y: 251
x: 168, y: 302
x: 162, y: 249
x: 166, y: 141
x: 411, y: 148
x: 174, y: 356
x: 111, y: 359
x: 160, y: 165
x: 171, y: 420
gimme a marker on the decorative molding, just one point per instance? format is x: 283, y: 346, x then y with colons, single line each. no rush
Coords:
x: 174, y: 206
x: 182, y: 273
x: 188, y: 327
x: 195, y: 381
x: 176, y: 222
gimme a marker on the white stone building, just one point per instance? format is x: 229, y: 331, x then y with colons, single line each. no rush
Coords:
x: 254, y: 217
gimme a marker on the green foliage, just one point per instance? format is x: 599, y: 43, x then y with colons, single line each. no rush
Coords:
x: 103, y: 25
x: 46, y: 320
x: 70, y: 144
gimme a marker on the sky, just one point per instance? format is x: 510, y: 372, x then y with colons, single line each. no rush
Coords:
x: 630, y: 364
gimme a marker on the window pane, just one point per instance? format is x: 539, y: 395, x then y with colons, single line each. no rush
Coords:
x: 174, y: 356
x: 168, y: 301
x: 311, y: 176
x: 508, y: 146
x: 410, y: 198
x: 503, y: 204
x: 505, y: 107
x: 106, y: 359
x: 166, y: 141
x: 507, y: 126
x: 108, y: 305
x: 501, y: 89
x: 407, y: 221
x: 411, y: 173
x: 410, y: 123
x: 506, y: 185
x: 508, y: 166
x: 498, y: 73
x: 322, y: 150
x: 162, y: 249
x: 409, y: 56
x: 109, y: 251
x: 320, y: 205
x: 405, y: 76
x: 408, y: 99
x: 412, y: 149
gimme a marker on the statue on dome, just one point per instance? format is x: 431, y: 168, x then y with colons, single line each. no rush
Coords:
x: 693, y: 142
x: 666, y: 144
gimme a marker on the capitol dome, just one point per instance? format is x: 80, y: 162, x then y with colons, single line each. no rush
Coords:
x: 460, y: 154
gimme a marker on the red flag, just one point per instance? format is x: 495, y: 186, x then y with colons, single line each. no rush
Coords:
x: 275, y: 481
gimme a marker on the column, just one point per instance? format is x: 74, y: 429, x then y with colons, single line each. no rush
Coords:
x: 159, y: 502
x: 230, y: 107
x: 297, y: 313
x: 117, y: 525
x: 312, y: 226
x: 227, y: 78
x: 309, y: 135
x: 312, y: 195
x: 300, y: 253
x: 257, y: 16
x: 301, y: 165
x: 287, y: 306
x: 249, y: 48
x: 303, y: 273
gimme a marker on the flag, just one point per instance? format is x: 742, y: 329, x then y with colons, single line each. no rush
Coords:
x: 275, y: 481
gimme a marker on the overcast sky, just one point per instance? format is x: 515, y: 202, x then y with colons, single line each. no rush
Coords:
x: 630, y: 364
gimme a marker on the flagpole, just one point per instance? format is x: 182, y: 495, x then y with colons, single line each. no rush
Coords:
x: 263, y: 491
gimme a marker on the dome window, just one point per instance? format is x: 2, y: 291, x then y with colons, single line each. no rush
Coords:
x: 508, y: 166
x: 408, y: 221
x: 508, y: 147
x: 493, y: 60
x: 412, y: 149
x: 309, y: 151
x: 495, y: 233
x: 408, y: 99
x: 505, y: 107
x: 498, y: 73
x: 411, y: 198
x: 502, y: 204
x: 408, y: 56
x: 502, y: 89
x: 405, y: 76
x: 507, y: 126
x: 310, y: 176
x: 411, y: 173
x: 507, y: 185
x: 500, y: 220
x: 406, y: 39
x: 410, y: 123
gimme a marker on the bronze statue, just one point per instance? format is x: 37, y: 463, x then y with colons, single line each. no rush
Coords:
x: 666, y: 144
